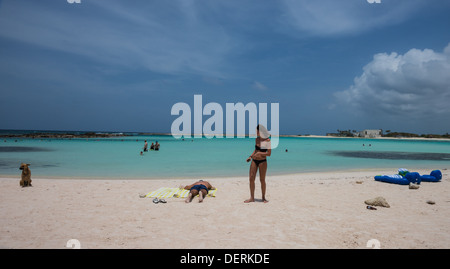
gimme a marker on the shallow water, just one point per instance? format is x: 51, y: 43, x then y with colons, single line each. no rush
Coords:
x: 119, y: 157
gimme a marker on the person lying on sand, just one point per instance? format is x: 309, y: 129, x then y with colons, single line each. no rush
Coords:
x: 200, y: 187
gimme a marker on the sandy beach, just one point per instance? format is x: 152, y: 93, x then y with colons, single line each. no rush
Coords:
x: 310, y: 210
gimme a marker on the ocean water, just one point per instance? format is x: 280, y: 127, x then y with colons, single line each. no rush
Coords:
x: 119, y: 157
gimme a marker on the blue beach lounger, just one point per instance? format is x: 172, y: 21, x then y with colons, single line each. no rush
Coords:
x: 404, y: 177
x: 394, y: 179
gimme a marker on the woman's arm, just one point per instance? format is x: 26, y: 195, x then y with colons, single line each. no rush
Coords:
x: 251, y: 156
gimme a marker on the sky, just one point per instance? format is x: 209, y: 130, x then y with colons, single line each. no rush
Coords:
x: 121, y: 65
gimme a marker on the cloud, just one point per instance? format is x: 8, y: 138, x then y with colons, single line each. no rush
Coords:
x: 259, y: 86
x: 181, y: 36
x: 415, y: 84
x: 331, y: 17
x: 168, y: 38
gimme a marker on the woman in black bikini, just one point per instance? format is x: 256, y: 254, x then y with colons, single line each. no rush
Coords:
x: 259, y: 161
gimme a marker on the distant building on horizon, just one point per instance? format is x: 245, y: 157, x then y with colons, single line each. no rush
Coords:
x: 369, y: 133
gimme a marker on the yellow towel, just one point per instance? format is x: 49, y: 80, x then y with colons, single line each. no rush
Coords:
x: 162, y: 192
x: 175, y: 192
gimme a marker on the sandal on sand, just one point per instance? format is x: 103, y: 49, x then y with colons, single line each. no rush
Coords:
x: 156, y: 200
x: 162, y: 201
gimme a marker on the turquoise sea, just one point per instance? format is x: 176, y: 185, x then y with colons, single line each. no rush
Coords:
x: 119, y: 157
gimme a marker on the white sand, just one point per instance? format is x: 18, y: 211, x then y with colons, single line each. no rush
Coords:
x: 311, y: 210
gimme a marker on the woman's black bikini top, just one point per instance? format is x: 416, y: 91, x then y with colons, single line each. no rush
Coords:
x: 260, y: 149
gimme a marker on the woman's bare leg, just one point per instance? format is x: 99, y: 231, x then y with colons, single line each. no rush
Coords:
x: 252, y: 177
x: 262, y: 178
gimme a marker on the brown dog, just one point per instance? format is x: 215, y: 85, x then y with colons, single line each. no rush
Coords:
x: 26, y: 175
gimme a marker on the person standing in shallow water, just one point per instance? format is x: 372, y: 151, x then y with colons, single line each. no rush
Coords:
x: 259, y: 162
x: 145, y: 146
